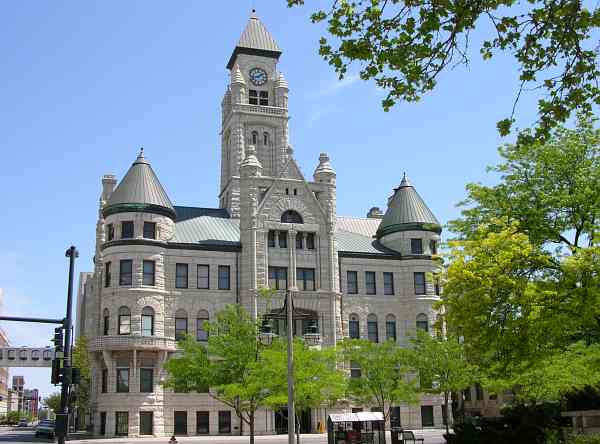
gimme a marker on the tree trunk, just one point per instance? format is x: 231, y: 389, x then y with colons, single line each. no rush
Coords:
x: 446, y: 414
x: 251, y: 417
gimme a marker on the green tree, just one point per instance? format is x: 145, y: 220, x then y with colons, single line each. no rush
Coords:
x: 404, y: 46
x: 522, y: 287
x: 443, y: 362
x: 317, y: 380
x: 81, y: 360
x: 386, y: 373
x: 229, y: 365
x: 53, y: 402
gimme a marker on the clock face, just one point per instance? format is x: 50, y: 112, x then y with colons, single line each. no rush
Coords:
x: 258, y: 76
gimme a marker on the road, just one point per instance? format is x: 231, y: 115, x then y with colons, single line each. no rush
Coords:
x: 16, y: 435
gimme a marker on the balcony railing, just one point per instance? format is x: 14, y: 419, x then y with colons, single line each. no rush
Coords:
x: 133, y: 342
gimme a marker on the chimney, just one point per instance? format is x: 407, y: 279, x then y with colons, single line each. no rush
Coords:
x: 108, y: 185
x: 375, y: 213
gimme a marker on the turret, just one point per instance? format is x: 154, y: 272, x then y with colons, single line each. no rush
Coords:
x: 281, y: 91
x: 409, y: 226
x: 324, y: 172
x: 251, y: 167
x: 238, y: 85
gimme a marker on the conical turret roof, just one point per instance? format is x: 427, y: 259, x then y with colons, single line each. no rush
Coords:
x: 407, y: 211
x: 140, y: 190
x: 255, y: 39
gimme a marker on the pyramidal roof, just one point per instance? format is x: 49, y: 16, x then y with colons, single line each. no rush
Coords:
x: 407, y: 211
x: 255, y: 39
x: 140, y: 190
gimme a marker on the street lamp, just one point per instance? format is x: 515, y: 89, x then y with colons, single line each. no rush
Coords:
x: 311, y: 338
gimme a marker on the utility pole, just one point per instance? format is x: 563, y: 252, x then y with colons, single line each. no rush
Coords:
x: 290, y: 359
x: 62, y: 416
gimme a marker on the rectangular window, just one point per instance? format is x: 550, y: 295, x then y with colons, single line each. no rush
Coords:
x: 478, y: 392
x: 224, y: 277
x: 354, y: 327
x: 299, y: 241
x: 278, y: 278
x: 180, y: 423
x: 271, y: 239
x: 127, y: 230
x: 146, y: 380
x: 203, y: 281
x: 107, y: 275
x: 121, y: 423
x: 122, y: 380
x: 416, y: 246
x: 147, y: 325
x: 352, y: 282
x: 149, y: 230
x: 372, y: 331
x: 388, y: 283
x: 310, y: 241
x: 419, y: 282
x: 354, y: 370
x: 146, y: 420
x: 105, y: 326
x: 148, y: 273
x: 264, y: 98
x: 180, y: 328
x: 390, y: 329
x: 305, y: 278
x: 104, y: 383
x: 433, y: 247
x: 102, y: 423
x: 201, y: 333
x: 110, y: 232
x: 202, y: 423
x: 370, y: 282
x: 224, y: 421
x: 283, y: 239
x: 253, y: 97
x: 125, y: 272
x: 181, y: 275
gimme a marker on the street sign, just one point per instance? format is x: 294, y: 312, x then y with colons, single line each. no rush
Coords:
x: 26, y: 356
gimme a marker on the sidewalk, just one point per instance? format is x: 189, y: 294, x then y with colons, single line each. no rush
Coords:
x: 432, y: 436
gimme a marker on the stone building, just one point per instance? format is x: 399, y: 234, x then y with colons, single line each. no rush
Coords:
x: 161, y: 270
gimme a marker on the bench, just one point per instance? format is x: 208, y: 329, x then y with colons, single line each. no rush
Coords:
x: 408, y: 436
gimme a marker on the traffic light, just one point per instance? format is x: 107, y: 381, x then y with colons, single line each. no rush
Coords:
x: 58, y: 339
x: 55, y: 378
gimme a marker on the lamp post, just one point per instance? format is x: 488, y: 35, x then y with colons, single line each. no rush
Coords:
x: 311, y: 338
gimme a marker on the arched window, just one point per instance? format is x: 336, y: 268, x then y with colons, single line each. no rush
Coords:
x: 354, y: 327
x: 372, y: 329
x: 35, y: 355
x: 181, y: 327
x: 105, y: 322
x: 201, y: 332
x: 291, y: 217
x: 23, y: 355
x: 254, y: 137
x: 124, y: 321
x: 147, y: 321
x: 390, y: 327
x: 47, y: 355
x: 265, y: 138
x: 422, y: 322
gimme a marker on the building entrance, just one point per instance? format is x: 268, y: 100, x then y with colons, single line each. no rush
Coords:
x: 180, y: 420
x: 281, y: 421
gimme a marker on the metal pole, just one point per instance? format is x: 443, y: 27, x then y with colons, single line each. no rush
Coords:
x: 64, y: 392
x: 290, y: 356
x: 41, y: 320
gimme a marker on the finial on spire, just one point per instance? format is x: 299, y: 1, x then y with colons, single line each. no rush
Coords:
x: 141, y: 154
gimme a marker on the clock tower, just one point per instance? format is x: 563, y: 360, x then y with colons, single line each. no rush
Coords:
x: 254, y: 112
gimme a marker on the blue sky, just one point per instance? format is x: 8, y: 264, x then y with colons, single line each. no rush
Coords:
x: 84, y: 84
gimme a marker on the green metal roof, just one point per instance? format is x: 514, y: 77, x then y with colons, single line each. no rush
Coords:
x: 407, y: 211
x: 139, y: 190
x: 255, y: 39
x: 207, y: 230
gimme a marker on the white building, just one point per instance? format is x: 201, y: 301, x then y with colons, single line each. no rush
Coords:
x: 161, y: 270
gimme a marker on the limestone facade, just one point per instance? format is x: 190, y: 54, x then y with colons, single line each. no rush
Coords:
x: 161, y: 270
